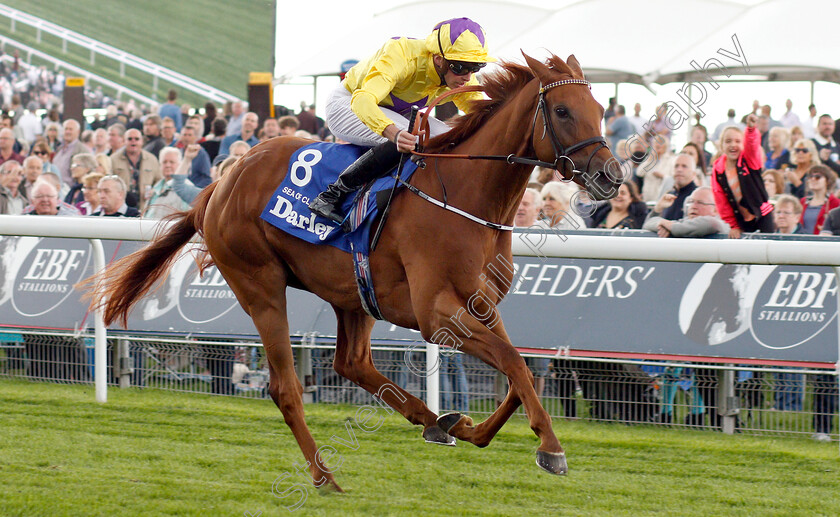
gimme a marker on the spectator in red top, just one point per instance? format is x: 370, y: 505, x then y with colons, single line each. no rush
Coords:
x: 307, y: 120
x: 820, y: 181
x: 7, y: 144
x: 195, y: 122
x: 740, y: 196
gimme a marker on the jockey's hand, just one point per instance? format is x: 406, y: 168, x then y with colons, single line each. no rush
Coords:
x: 405, y: 141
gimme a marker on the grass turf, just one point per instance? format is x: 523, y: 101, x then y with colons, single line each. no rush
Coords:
x: 161, y: 453
x: 212, y: 41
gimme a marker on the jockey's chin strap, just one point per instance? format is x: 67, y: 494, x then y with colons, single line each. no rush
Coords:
x: 560, y: 152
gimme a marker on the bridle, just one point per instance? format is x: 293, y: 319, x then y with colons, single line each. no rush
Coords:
x: 560, y: 152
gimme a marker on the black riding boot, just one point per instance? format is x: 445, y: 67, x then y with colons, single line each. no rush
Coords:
x: 375, y: 163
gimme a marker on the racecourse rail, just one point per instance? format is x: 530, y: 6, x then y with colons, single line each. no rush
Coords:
x: 95, y: 47
x: 605, y: 247
x: 57, y: 63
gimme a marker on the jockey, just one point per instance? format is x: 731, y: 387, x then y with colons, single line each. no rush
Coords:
x: 370, y: 107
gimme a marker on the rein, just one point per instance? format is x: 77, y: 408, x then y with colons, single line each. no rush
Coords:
x: 560, y: 152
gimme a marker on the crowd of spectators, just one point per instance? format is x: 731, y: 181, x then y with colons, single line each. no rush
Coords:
x: 142, y: 161
x: 131, y: 162
x: 794, y: 156
x: 128, y: 161
x: 753, y: 174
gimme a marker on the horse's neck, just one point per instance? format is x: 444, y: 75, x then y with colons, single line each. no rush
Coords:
x: 488, y: 188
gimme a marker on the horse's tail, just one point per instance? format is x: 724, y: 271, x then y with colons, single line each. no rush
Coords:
x: 122, y: 284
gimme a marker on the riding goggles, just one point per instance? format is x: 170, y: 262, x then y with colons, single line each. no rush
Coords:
x: 464, y: 68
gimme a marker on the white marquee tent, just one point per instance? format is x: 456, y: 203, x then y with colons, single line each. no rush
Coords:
x: 650, y: 41
x: 783, y: 40
x: 504, y: 21
x: 618, y: 41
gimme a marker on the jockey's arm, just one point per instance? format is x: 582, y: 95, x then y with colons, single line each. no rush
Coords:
x: 365, y: 104
x: 389, y: 67
x: 375, y: 119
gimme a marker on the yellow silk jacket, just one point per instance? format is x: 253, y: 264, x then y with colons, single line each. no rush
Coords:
x: 401, y: 74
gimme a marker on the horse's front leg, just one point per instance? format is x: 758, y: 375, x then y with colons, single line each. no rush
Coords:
x: 449, y: 324
x: 353, y: 361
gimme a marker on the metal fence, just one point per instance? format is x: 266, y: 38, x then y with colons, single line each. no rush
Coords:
x: 732, y: 398
x: 151, y: 73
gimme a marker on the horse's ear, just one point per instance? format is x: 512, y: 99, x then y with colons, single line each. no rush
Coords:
x: 542, y: 71
x: 575, y: 66
x: 556, y: 63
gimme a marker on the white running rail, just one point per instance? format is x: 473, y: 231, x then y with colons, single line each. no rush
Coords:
x: 124, y: 58
x: 75, y: 70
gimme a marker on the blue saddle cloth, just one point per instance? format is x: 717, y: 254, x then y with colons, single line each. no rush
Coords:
x: 311, y: 169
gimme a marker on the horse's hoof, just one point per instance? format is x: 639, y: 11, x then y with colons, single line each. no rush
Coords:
x: 438, y: 436
x: 552, y: 462
x: 331, y: 486
x: 448, y: 421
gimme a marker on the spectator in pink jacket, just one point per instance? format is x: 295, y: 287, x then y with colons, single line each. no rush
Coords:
x: 740, y: 196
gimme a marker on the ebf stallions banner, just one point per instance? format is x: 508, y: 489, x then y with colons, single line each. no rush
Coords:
x: 785, y: 313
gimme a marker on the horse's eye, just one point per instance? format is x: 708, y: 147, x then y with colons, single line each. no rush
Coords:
x: 562, y: 112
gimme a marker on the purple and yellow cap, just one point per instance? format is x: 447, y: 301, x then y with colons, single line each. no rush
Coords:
x: 459, y: 39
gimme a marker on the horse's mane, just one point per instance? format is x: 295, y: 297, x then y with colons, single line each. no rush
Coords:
x: 499, y: 86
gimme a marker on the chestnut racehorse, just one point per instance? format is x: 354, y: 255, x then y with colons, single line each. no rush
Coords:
x: 428, y: 265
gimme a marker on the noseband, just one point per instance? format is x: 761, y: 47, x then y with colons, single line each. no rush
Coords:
x: 560, y: 152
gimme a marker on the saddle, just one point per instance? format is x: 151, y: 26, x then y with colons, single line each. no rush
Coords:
x: 311, y: 169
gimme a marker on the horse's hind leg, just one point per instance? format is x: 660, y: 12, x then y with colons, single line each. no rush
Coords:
x: 265, y: 301
x: 353, y: 361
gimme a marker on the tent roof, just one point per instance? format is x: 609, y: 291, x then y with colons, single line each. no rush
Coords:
x: 502, y: 21
x: 622, y: 42
x: 783, y: 40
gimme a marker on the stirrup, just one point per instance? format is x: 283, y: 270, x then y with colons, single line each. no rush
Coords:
x: 327, y: 210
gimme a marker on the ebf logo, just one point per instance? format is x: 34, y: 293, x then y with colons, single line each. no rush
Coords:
x: 715, y: 307
x: 46, y: 277
x: 793, y: 306
x: 205, y: 298
x: 781, y: 306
